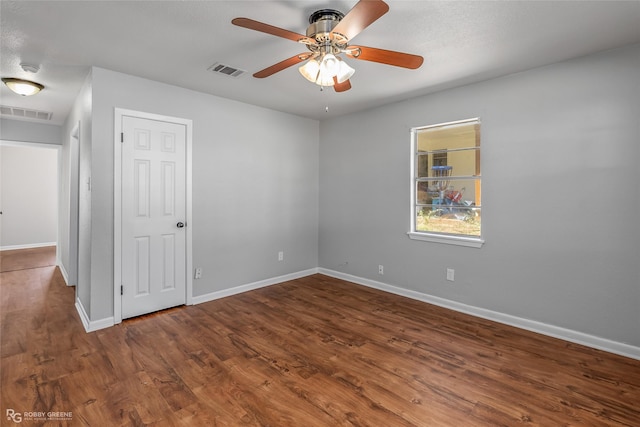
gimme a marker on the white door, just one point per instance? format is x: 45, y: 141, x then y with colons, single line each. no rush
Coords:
x: 153, y: 252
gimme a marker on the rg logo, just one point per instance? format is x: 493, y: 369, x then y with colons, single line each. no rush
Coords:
x: 16, y: 417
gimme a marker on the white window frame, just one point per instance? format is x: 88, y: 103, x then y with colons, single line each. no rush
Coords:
x: 451, y: 239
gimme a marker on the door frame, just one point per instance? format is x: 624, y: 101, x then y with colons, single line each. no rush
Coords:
x: 119, y: 113
x: 74, y: 205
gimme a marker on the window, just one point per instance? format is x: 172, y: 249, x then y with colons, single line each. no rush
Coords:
x: 446, y: 184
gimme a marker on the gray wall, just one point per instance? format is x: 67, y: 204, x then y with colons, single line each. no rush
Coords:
x: 75, y: 172
x: 561, y: 194
x: 25, y: 131
x: 560, y: 154
x: 28, y: 195
x: 255, y: 185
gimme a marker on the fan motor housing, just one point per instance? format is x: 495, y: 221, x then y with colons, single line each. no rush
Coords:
x: 322, y: 22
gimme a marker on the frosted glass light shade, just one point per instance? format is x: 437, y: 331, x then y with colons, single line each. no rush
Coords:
x: 328, y: 70
x: 324, y: 80
x: 344, y: 72
x: 23, y: 87
x: 329, y: 65
x: 310, y: 70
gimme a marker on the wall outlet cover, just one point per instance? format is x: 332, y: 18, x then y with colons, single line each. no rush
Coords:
x: 451, y: 274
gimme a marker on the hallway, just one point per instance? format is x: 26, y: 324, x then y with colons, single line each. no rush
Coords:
x: 38, y: 322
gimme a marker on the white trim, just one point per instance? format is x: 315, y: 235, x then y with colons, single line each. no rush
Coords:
x: 92, y: 325
x: 117, y: 214
x: 252, y: 286
x: 189, y: 217
x: 28, y: 246
x: 119, y: 113
x: 63, y: 271
x: 470, y: 242
x: 9, y: 143
x: 73, y: 218
x: 449, y: 124
x: 570, y: 335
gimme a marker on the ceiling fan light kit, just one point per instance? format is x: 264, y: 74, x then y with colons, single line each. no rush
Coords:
x: 323, y: 71
x: 328, y: 36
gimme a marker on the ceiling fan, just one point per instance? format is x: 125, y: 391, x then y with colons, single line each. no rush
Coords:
x: 328, y: 36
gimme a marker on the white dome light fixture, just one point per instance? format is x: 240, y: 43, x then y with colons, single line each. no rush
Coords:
x: 22, y: 87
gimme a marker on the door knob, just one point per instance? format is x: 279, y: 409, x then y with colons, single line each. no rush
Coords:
x: 180, y: 224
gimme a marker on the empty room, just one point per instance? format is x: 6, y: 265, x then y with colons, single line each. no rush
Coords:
x: 320, y: 213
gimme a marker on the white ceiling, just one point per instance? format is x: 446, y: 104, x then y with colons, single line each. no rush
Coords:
x: 175, y: 41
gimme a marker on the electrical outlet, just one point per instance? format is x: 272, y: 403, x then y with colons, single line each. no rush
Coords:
x: 198, y: 273
x: 380, y: 269
x: 281, y: 256
x: 451, y: 274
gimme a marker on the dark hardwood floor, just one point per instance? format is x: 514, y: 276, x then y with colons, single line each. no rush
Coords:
x: 311, y: 352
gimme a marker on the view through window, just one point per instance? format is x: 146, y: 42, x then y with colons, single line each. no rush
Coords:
x: 447, y: 179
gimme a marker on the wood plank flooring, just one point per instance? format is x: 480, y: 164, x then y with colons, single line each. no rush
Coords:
x: 311, y: 352
x: 22, y: 259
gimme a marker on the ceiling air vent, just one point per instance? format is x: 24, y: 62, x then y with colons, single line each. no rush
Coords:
x: 25, y: 113
x: 226, y: 70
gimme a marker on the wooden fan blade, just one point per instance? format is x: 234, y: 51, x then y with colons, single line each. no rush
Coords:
x: 363, y: 14
x: 270, y: 29
x: 282, y: 65
x: 341, y: 87
x: 389, y: 57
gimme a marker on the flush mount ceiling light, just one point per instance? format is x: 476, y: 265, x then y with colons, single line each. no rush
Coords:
x: 22, y: 87
x: 327, y: 37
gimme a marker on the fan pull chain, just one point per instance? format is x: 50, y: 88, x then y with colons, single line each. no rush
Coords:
x: 326, y: 108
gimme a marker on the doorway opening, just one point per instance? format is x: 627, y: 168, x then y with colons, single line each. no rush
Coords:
x: 29, y: 196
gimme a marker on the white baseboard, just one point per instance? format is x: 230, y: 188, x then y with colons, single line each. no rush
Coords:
x: 29, y: 246
x: 92, y: 325
x: 251, y: 286
x: 570, y: 335
x: 519, y: 322
x: 65, y: 276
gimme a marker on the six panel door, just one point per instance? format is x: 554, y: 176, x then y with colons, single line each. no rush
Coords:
x: 153, y: 215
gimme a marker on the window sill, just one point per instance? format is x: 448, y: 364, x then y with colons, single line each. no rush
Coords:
x: 471, y: 242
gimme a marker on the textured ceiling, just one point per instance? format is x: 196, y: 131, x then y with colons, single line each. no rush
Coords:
x: 176, y: 41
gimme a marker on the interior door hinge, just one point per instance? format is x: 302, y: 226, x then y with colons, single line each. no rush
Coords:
x: 121, y: 290
x: 121, y: 136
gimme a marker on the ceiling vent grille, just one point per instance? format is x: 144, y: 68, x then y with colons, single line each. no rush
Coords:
x: 25, y: 113
x: 227, y: 70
